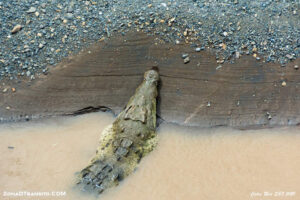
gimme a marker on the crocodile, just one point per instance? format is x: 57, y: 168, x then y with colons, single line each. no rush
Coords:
x: 126, y: 141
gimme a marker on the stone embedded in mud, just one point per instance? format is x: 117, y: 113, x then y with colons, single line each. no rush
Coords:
x: 186, y: 60
x: 121, y: 145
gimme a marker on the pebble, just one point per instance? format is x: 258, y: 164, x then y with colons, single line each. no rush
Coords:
x: 164, y: 5
x: 208, y: 104
x: 31, y: 10
x: 69, y: 16
x: 269, y: 116
x: 296, y: 67
x: 186, y: 60
x: 43, y: 5
x: 185, y: 33
x: 283, y: 83
x: 218, y: 67
x: 198, y: 49
x: 16, y: 29
x: 184, y: 55
x: 289, y: 56
x: 4, y: 90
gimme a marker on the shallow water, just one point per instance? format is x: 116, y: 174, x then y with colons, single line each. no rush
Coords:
x: 187, y: 163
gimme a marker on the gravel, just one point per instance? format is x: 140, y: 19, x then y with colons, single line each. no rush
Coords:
x: 49, y: 30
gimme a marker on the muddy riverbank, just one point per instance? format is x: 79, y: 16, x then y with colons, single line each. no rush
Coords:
x: 246, y: 94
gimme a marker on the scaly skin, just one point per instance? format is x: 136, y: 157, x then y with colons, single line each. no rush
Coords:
x: 126, y: 141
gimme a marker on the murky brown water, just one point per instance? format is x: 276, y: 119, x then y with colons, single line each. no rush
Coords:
x: 187, y: 163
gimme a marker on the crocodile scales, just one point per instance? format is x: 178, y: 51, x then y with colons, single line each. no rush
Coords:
x: 126, y: 141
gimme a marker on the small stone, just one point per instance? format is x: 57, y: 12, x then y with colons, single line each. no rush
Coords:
x: 28, y: 73
x: 225, y: 33
x: 45, y: 71
x: 41, y: 45
x: 37, y: 14
x: 219, y: 67
x: 31, y: 10
x: 269, y: 116
x: 65, y: 21
x: 186, y: 60
x: 70, y: 9
x: 4, y: 90
x: 221, y: 61
x: 164, y: 4
x: 289, y: 56
x: 208, y: 104
x: 149, y: 5
x: 13, y: 89
x: 198, y: 49
x: 296, y: 67
x: 69, y: 16
x: 16, y: 29
x: 224, y: 46
x: 7, y: 108
x: 185, y: 33
x: 184, y: 55
x: 283, y: 83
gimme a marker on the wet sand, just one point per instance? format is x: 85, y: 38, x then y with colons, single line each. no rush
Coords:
x: 188, y: 163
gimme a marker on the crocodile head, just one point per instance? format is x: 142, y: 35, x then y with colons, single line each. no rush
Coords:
x: 151, y: 76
